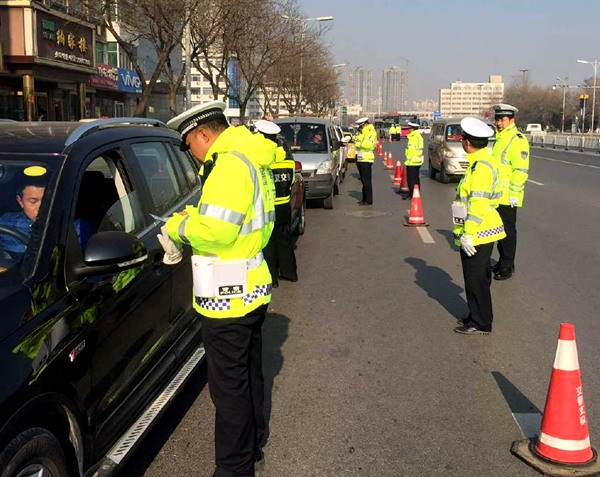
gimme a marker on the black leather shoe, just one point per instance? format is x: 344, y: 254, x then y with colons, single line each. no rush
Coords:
x: 289, y: 279
x: 496, y: 267
x: 463, y: 321
x: 503, y: 274
x: 274, y: 285
x: 470, y: 330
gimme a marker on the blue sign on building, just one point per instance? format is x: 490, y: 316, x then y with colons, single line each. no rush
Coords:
x: 436, y: 115
x: 129, y: 81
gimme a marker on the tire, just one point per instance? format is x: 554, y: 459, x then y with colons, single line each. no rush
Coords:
x: 328, y: 201
x: 301, y: 227
x: 432, y: 171
x: 444, y: 178
x: 336, y: 185
x: 31, y: 452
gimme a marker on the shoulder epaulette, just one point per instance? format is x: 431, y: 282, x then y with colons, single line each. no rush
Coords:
x: 520, y: 136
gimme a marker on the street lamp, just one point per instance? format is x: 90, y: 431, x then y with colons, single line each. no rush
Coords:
x: 303, y: 22
x: 523, y: 70
x: 595, y: 66
x: 564, y: 85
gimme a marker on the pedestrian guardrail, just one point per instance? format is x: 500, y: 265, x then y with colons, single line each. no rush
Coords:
x: 564, y: 141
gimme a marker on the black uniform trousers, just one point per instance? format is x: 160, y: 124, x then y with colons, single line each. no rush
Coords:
x: 279, y: 254
x: 412, y: 177
x: 478, y: 277
x: 507, y: 247
x: 235, y: 379
x: 364, y: 170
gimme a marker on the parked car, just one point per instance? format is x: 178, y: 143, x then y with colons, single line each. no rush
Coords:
x: 343, y: 154
x: 314, y: 143
x: 97, y: 335
x: 444, y: 149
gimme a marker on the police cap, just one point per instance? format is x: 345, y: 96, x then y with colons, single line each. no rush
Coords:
x: 414, y: 125
x: 194, y: 117
x: 475, y: 128
x: 362, y: 120
x: 501, y: 110
x: 267, y: 127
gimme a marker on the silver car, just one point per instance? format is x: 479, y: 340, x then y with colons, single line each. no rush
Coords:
x: 314, y: 143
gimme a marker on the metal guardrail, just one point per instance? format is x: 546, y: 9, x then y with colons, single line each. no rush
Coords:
x: 566, y: 142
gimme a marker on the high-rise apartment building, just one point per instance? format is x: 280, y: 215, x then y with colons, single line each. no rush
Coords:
x: 393, y: 84
x: 471, y: 99
x: 361, y: 91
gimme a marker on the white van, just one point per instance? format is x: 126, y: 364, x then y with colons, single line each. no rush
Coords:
x: 535, y: 129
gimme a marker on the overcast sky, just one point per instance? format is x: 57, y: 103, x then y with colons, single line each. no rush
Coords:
x: 466, y: 40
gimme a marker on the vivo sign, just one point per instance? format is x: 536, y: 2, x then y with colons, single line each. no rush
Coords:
x: 129, y: 81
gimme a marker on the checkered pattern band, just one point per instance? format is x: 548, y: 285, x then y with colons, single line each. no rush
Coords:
x: 259, y: 290
x: 186, y: 126
x: 490, y: 232
x: 214, y: 303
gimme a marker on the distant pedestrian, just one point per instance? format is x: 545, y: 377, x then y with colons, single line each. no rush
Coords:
x: 414, y: 158
x: 477, y: 225
x: 511, y: 150
x: 365, y: 144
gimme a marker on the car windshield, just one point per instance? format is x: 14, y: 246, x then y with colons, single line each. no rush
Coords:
x: 304, y: 137
x: 25, y: 188
x: 454, y: 133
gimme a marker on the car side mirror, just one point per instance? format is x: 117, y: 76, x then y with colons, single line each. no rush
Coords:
x: 298, y: 167
x: 111, y: 252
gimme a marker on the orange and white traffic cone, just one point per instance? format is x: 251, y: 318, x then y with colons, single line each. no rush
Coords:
x: 415, y: 217
x: 398, y: 174
x: 390, y: 162
x: 404, y: 189
x: 563, y: 447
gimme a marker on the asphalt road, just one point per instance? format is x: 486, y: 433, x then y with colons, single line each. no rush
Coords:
x: 365, y: 376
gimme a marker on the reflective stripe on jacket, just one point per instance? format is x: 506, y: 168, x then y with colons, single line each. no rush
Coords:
x: 234, y: 218
x: 480, y: 191
x: 414, y: 149
x: 365, y: 143
x: 511, y: 151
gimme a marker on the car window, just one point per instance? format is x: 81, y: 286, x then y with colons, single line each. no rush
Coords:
x: 107, y: 199
x: 188, y: 165
x: 159, y: 173
x: 304, y: 137
x: 453, y: 133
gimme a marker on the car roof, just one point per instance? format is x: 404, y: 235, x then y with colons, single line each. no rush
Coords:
x: 307, y: 119
x: 54, y: 137
x: 457, y: 120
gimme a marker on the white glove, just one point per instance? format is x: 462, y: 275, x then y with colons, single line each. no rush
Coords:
x: 466, y: 243
x: 513, y: 201
x: 172, y: 249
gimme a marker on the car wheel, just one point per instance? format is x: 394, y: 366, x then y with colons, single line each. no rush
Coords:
x: 301, y: 227
x: 328, y: 201
x: 432, y: 171
x: 34, y: 453
x: 336, y: 186
x: 444, y: 178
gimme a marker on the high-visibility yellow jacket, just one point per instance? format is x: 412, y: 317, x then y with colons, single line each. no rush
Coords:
x: 480, y: 191
x: 511, y: 150
x: 284, y: 175
x: 365, y: 143
x: 414, y: 149
x: 393, y: 129
x: 234, y: 218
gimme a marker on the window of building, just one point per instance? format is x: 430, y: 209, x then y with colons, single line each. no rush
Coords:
x: 101, y: 52
x: 112, y: 58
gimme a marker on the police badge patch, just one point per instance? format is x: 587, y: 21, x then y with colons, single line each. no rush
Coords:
x: 524, y: 154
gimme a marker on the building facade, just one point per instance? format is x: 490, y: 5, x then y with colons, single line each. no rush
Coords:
x: 361, y: 88
x: 471, y: 99
x: 393, y: 86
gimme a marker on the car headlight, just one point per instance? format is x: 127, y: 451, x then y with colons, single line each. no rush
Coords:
x: 450, y: 153
x: 326, y: 167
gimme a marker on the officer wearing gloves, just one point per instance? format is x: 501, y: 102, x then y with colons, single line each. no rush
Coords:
x: 232, y: 284
x: 414, y: 158
x: 365, y: 144
x: 512, y: 153
x: 279, y: 252
x: 477, y: 225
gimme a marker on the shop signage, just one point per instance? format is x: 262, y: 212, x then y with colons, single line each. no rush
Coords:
x: 107, y: 77
x: 129, y: 81
x: 62, y: 40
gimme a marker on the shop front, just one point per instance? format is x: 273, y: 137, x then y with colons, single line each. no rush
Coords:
x: 113, y: 92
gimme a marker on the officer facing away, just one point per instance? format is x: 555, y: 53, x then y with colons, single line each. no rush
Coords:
x: 365, y: 144
x: 232, y: 284
x: 511, y: 151
x: 414, y: 158
x: 279, y: 252
x: 477, y: 225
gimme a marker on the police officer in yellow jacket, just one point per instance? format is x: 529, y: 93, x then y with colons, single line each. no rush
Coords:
x: 477, y: 225
x: 279, y: 252
x: 511, y: 150
x: 365, y: 144
x: 414, y: 158
x: 232, y: 284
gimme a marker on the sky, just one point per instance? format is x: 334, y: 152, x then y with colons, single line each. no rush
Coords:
x: 463, y: 40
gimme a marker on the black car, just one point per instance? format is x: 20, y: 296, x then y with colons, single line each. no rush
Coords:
x: 96, y: 333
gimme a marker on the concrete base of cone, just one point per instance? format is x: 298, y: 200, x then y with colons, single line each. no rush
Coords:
x: 525, y: 451
x: 424, y: 224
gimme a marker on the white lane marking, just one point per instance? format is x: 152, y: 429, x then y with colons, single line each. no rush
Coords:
x: 530, y: 423
x: 425, y: 235
x: 567, y: 162
x: 534, y: 182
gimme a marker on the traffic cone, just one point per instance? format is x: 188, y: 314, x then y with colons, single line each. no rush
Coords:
x: 390, y: 162
x: 415, y: 218
x: 398, y: 173
x: 404, y: 184
x: 563, y: 447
